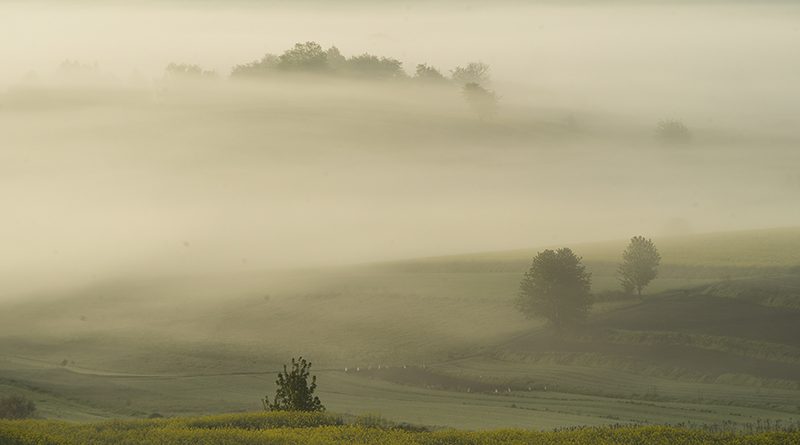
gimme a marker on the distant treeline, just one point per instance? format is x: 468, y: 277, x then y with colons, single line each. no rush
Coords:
x: 312, y: 58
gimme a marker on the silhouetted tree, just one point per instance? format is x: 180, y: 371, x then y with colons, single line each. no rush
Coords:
x: 16, y: 407
x: 482, y: 101
x: 475, y: 72
x: 294, y: 392
x: 639, y: 266
x: 556, y: 287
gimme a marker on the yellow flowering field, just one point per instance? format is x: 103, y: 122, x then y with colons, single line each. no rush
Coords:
x: 308, y: 428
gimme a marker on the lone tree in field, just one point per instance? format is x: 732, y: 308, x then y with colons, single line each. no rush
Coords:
x: 294, y: 392
x: 639, y: 265
x: 16, y: 407
x: 556, y: 287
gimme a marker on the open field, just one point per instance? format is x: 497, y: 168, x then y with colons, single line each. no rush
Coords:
x: 73, y: 396
x: 711, y: 352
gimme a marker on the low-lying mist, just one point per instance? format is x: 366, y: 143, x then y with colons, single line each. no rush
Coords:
x: 120, y: 171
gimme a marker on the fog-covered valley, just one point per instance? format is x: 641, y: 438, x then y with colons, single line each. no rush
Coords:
x: 111, y: 167
x: 193, y: 193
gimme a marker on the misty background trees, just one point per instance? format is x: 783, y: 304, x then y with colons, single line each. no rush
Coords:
x: 474, y: 72
x: 427, y: 73
x: 308, y: 57
x: 188, y: 71
x: 311, y: 58
x: 556, y: 287
x: 673, y: 131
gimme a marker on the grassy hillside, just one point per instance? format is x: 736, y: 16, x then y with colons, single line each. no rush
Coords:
x: 426, y: 341
x: 297, y: 428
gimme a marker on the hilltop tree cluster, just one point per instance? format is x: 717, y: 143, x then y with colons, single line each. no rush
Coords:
x: 312, y: 58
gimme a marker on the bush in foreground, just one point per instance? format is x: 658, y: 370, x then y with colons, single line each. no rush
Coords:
x: 295, y: 392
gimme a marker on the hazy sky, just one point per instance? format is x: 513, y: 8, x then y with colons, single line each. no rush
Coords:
x: 88, y: 192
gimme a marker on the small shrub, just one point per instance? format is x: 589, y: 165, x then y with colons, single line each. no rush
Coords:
x: 295, y: 392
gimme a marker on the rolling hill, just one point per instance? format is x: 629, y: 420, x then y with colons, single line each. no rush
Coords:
x: 715, y: 340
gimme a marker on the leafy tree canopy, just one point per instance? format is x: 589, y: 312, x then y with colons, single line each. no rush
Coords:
x: 639, y: 266
x: 308, y: 56
x: 556, y: 287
